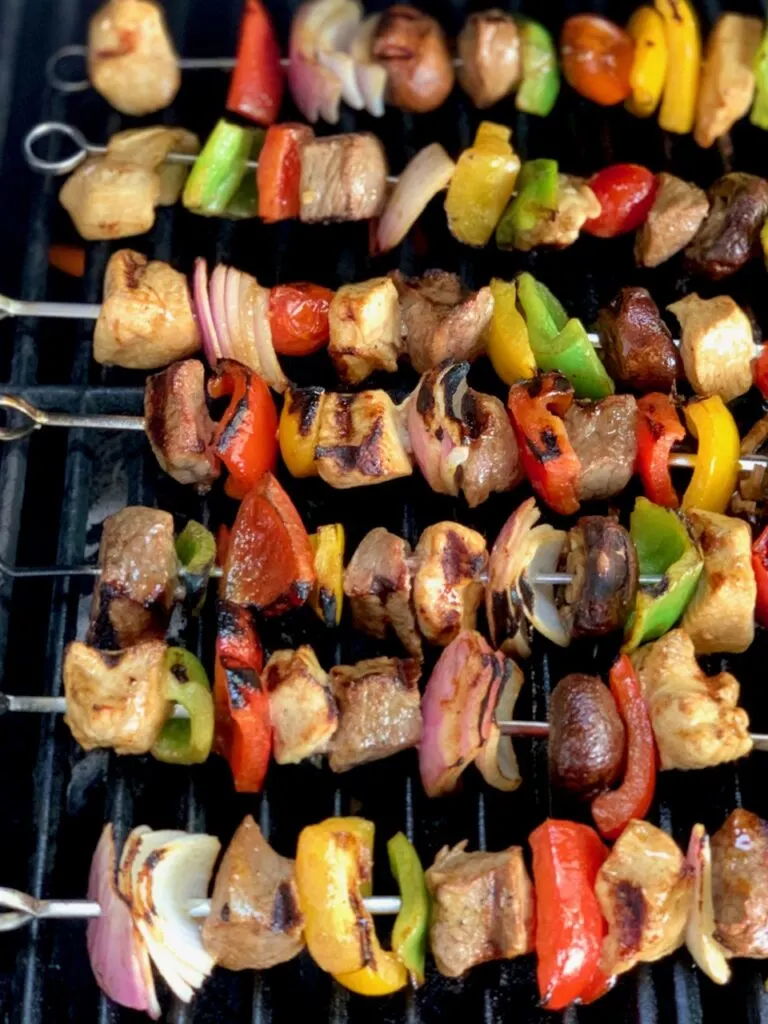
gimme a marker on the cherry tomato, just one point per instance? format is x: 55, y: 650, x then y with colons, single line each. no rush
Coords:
x: 760, y: 370
x: 597, y: 58
x: 625, y: 193
x: 298, y: 316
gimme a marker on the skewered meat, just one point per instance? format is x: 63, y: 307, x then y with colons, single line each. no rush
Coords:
x: 116, y: 698
x: 135, y: 592
x: 740, y: 884
x: 489, y: 52
x: 604, y: 437
x: 450, y: 562
x: 361, y: 440
x: 721, y: 615
x: 146, y: 319
x: 576, y: 204
x: 255, y: 921
x: 644, y: 890
x: 301, y: 706
x: 343, y: 177
x: 493, y: 464
x: 178, y: 426
x: 679, y: 207
x: 149, y: 147
x: 482, y: 908
x: 441, y: 319
x: 110, y: 200
x: 729, y: 236
x: 379, y: 710
x: 131, y: 59
x: 727, y: 77
x: 379, y: 584
x: 695, y: 717
x: 637, y: 345
x: 716, y: 345
x: 586, y: 740
x: 364, y: 322
x: 412, y: 48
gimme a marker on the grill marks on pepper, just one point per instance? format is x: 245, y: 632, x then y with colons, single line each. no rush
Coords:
x: 546, y: 448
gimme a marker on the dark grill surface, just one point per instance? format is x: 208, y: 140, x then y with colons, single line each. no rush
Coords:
x: 56, y: 490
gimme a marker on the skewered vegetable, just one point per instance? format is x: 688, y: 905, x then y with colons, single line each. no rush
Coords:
x: 489, y: 57
x: 649, y: 63
x: 482, y: 185
x: 658, y: 429
x: 625, y: 193
x: 256, y: 88
x: 717, y: 465
x: 186, y: 740
x: 678, y: 103
x: 597, y: 58
x: 327, y: 595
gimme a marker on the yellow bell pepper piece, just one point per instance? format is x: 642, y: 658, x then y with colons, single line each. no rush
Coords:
x: 327, y: 595
x: 298, y: 430
x: 678, y: 104
x: 388, y: 975
x: 717, y: 459
x: 506, y: 336
x: 649, y: 67
x: 482, y: 185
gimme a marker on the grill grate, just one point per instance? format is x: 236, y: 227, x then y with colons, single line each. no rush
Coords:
x: 56, y: 489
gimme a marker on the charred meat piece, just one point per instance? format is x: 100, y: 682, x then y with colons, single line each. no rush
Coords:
x: 301, y: 706
x: 679, y: 207
x: 379, y: 710
x: 586, y: 739
x: 482, y: 908
x: 638, y: 349
x: 379, y: 585
x: 729, y: 237
x: 740, y: 884
x: 489, y: 52
x: 412, y: 48
x: 727, y: 76
x: 441, y: 319
x: 135, y: 592
x: 131, y: 58
x: 361, y: 440
x: 179, y: 429
x: 343, y: 177
x: 604, y: 437
x: 717, y: 345
x: 450, y: 561
x: 602, y: 559
x: 493, y: 463
x: 146, y: 319
x: 695, y: 717
x: 116, y: 698
x: 644, y: 890
x: 576, y: 204
x: 254, y: 921
x: 364, y: 322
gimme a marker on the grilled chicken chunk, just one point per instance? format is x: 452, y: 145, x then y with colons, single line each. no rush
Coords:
x: 740, y: 884
x: 450, y: 561
x: 721, y: 616
x: 131, y: 59
x: 716, y: 344
x: 255, y: 921
x: 727, y: 76
x: 604, y: 436
x: 361, y: 440
x: 134, y: 594
x: 695, y: 717
x: 116, y: 698
x: 489, y: 52
x: 493, y: 464
x: 678, y: 211
x: 441, y: 319
x: 301, y: 706
x: 576, y: 204
x: 644, y: 890
x: 178, y: 426
x: 379, y: 710
x: 146, y: 319
x: 482, y: 908
x: 730, y: 235
x: 149, y: 147
x: 343, y: 177
x: 637, y: 345
x: 379, y: 585
x: 364, y: 321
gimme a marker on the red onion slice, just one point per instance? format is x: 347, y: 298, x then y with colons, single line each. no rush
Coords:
x: 428, y: 173
x: 211, y: 345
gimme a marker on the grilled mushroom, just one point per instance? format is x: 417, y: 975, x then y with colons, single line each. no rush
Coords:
x: 637, y: 344
x: 412, y: 48
x: 489, y: 52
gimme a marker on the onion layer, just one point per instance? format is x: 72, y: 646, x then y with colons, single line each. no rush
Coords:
x: 435, y: 423
x: 428, y: 173
x: 321, y: 73
x: 211, y: 345
x: 700, y: 930
x: 496, y: 760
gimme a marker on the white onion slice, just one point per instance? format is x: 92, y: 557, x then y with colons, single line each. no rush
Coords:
x: 428, y: 173
x: 371, y: 77
x: 270, y: 365
x: 539, y: 554
x: 217, y: 295
x: 497, y: 762
x: 342, y: 65
x: 700, y: 929
x: 211, y: 345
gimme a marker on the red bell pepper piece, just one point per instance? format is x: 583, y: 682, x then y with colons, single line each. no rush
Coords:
x: 625, y: 193
x: 298, y: 316
x: 760, y: 371
x: 536, y: 408
x: 270, y: 564
x: 614, y: 809
x: 658, y: 429
x: 278, y: 175
x: 569, y: 924
x: 258, y: 80
x: 760, y: 567
x: 246, y: 436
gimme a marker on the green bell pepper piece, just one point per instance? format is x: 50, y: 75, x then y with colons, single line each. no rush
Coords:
x: 664, y: 548
x: 559, y: 343
x: 196, y: 551
x: 541, y: 75
x: 537, y: 191
x: 186, y: 740
x: 244, y: 204
x: 759, y: 113
x: 409, y: 934
x: 219, y: 169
